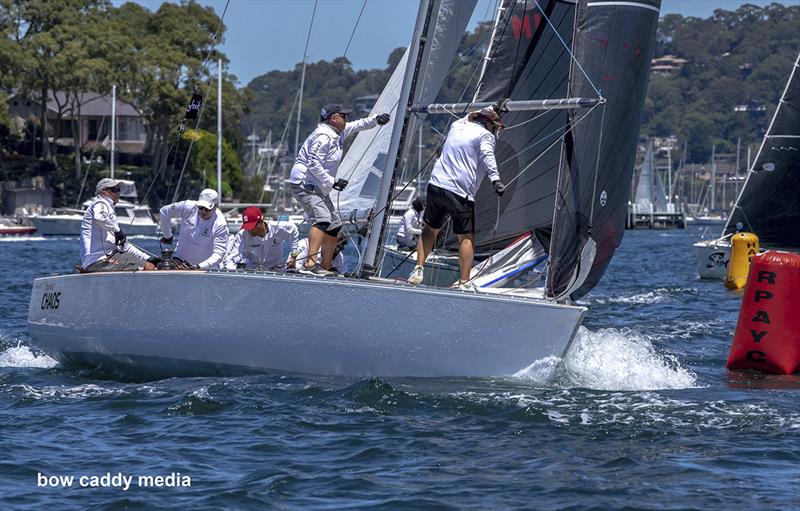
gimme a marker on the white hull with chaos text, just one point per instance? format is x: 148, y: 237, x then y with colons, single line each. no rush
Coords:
x: 219, y: 322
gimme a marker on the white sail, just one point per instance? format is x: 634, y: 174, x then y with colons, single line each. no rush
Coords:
x: 644, y: 188
x: 364, y: 162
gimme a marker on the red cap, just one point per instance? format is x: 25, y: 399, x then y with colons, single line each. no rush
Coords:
x: 251, y: 217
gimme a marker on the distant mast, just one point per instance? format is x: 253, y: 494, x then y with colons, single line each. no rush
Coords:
x: 113, y: 125
x: 219, y: 130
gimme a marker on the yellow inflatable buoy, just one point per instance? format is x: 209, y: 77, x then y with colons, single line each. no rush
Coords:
x: 744, y: 245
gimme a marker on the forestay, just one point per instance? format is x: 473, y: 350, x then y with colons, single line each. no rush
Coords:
x: 769, y: 203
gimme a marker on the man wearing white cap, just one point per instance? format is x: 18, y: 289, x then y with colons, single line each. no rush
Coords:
x: 204, y: 231
x: 259, y: 245
x: 313, y: 174
x: 467, y: 156
x: 104, y: 246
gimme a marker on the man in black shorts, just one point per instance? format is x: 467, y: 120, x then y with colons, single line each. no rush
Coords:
x: 467, y: 155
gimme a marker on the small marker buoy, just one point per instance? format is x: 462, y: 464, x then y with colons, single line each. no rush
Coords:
x: 744, y: 246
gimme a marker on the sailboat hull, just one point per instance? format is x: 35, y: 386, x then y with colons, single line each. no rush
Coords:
x: 171, y: 323
x: 712, y: 258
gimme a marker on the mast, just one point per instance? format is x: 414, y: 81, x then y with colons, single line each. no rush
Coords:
x: 219, y: 130
x: 713, y: 178
x: 113, y: 125
x: 380, y: 219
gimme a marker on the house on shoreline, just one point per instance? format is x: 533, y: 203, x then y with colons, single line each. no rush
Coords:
x: 91, y: 110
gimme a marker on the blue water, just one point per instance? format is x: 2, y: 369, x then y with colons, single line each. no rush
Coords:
x: 642, y: 415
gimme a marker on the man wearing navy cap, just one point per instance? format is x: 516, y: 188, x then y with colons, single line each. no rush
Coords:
x: 313, y: 174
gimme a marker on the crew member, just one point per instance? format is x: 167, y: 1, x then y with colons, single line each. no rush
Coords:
x: 410, y: 226
x: 338, y: 262
x: 260, y: 245
x: 203, y: 236
x: 467, y: 155
x: 312, y: 179
x: 104, y: 246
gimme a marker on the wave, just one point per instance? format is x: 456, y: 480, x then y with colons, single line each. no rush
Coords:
x: 611, y: 359
x: 22, y: 356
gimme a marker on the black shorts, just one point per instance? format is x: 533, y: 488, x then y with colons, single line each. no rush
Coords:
x: 441, y: 204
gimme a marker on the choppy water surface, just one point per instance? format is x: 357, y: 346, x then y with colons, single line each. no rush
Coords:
x: 640, y: 415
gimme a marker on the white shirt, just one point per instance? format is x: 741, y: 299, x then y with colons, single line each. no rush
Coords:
x: 467, y: 155
x: 319, y: 158
x: 97, y: 232
x: 200, y: 242
x: 410, y: 225
x: 261, y: 252
x: 302, y: 248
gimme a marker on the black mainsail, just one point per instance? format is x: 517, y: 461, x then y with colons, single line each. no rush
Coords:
x: 613, y: 46
x: 581, y: 161
x: 769, y: 203
x: 528, y: 61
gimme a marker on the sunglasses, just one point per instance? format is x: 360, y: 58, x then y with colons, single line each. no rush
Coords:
x: 114, y: 189
x: 201, y: 208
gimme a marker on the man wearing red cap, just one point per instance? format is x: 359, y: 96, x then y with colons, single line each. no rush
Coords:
x: 259, y: 245
x: 467, y: 156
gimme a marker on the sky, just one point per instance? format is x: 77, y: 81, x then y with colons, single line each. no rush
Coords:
x: 263, y: 35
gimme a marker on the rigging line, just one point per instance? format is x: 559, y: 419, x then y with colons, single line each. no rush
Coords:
x: 597, y: 166
x: 516, y: 50
x: 552, y: 145
x: 569, y: 50
x: 354, y: 29
x: 91, y: 160
x: 302, y: 81
x: 535, y: 143
x: 200, y: 113
x: 282, y: 140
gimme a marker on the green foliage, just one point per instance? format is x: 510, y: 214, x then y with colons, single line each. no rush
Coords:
x: 202, y: 168
x: 740, y: 57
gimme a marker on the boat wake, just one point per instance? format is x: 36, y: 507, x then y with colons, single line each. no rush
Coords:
x: 611, y: 359
x: 22, y: 356
x: 658, y: 295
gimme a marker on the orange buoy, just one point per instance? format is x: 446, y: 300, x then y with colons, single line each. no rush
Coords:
x: 767, y: 334
x: 744, y: 245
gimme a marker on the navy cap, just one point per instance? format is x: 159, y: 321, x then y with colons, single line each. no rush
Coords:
x: 333, y: 108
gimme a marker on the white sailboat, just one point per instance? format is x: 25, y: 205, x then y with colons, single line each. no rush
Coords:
x: 768, y: 202
x: 237, y: 321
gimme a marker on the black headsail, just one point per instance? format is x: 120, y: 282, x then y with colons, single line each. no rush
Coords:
x: 769, y: 204
x: 613, y: 45
x: 528, y: 61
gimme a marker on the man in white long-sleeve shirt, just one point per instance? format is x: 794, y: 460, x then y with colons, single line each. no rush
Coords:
x: 204, y: 232
x: 467, y: 156
x: 259, y: 245
x: 410, y: 226
x: 313, y: 174
x: 103, y: 243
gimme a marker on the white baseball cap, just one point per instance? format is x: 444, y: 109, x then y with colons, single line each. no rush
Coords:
x: 208, y: 199
x: 106, y: 183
